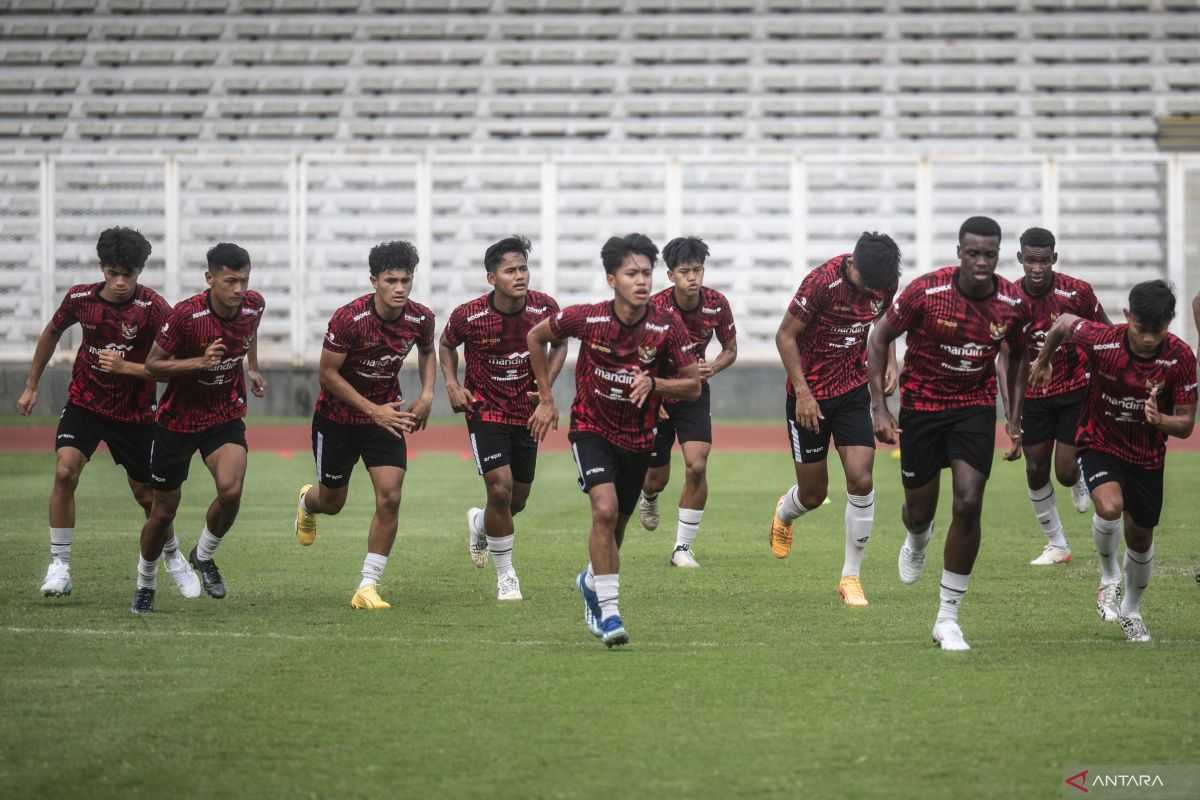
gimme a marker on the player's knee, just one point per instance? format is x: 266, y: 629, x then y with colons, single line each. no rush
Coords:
x: 859, y: 485
x: 229, y: 493
x: 162, y: 515
x: 968, y: 507
x: 1067, y: 475
x: 1109, y: 508
x: 813, y: 494
x: 516, y: 505
x: 66, y: 476
x: 499, y: 495
x: 387, y: 502
x: 656, y: 481
x: 604, y: 513
x: 1036, y: 475
x: 696, y: 471
x: 332, y: 503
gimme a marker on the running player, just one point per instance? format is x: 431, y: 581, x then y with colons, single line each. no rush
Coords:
x: 620, y: 377
x: 358, y: 411
x: 110, y: 399
x: 822, y: 342
x: 199, y: 353
x: 497, y: 398
x: 955, y: 318
x: 704, y: 311
x: 1143, y: 389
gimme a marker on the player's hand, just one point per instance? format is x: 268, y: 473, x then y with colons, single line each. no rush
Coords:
x: 111, y: 361
x: 706, y: 371
x: 26, y: 402
x: 1039, y: 373
x: 461, y: 400
x: 1153, y: 415
x: 663, y: 416
x: 885, y: 426
x: 808, y: 413
x: 258, y: 384
x: 1013, y: 429
x: 389, y: 417
x: 543, y: 420
x: 640, y: 390
x: 891, y: 379
x: 212, y: 355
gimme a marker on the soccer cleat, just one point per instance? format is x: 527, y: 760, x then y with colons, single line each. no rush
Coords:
x: 508, y: 587
x: 684, y: 557
x: 185, y: 579
x: 58, y: 579
x: 948, y: 636
x: 476, y: 539
x: 1080, y: 496
x: 910, y: 563
x: 613, y: 632
x: 781, y: 533
x: 368, y: 597
x: 306, y: 523
x: 1134, y: 627
x: 1108, y: 602
x: 143, y: 601
x: 209, y: 575
x: 1052, y: 555
x: 591, y: 605
x: 648, y: 512
x: 851, y: 591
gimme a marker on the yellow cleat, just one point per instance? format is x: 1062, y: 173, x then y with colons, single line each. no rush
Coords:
x: 368, y: 597
x: 850, y: 588
x: 781, y: 534
x: 306, y: 523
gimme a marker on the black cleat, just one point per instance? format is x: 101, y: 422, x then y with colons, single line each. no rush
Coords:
x: 143, y: 601
x: 210, y: 576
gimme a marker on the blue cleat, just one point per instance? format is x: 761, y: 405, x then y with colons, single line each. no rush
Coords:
x: 614, y: 631
x: 591, y: 605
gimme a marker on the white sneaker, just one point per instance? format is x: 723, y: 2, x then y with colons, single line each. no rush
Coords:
x: 1108, y: 602
x: 58, y: 579
x: 1134, y: 627
x: 184, y: 577
x: 911, y: 563
x: 1052, y: 555
x: 683, y: 557
x: 948, y: 636
x: 476, y: 538
x: 648, y: 512
x: 508, y: 587
x: 1080, y: 496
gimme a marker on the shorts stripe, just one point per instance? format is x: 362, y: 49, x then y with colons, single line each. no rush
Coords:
x: 578, y: 466
x: 475, y: 451
x: 320, y: 454
x: 794, y: 435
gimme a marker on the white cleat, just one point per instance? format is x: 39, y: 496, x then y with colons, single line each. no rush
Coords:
x: 1108, y: 602
x: 1134, y: 627
x: 911, y: 563
x: 183, y: 575
x: 508, y: 587
x: 648, y: 512
x: 683, y: 557
x: 948, y: 636
x: 58, y: 579
x: 1080, y: 498
x: 1052, y: 555
x: 476, y: 538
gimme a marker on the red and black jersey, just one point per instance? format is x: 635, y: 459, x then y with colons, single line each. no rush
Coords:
x: 837, y: 318
x: 610, y: 353
x: 203, y: 399
x: 1066, y: 295
x: 375, y: 350
x: 1113, y: 418
x: 497, y: 355
x: 711, y: 315
x: 953, y: 340
x: 129, y: 329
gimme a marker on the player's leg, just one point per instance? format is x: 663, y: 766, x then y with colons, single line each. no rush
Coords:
x: 1106, y: 487
x: 922, y: 457
x: 1142, y: 510
x: 387, y: 481
x: 500, y: 532
x: 1066, y: 459
x: 154, y: 533
x: 224, y: 453
x: 69, y: 463
x: 335, y: 452
x: 858, y: 462
x: 692, y: 500
x: 809, y: 452
x: 658, y: 474
x: 1039, y: 421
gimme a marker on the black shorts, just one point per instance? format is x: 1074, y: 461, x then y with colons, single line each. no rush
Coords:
x: 930, y: 440
x: 1046, y: 418
x: 337, y: 448
x: 498, y: 444
x: 1141, y: 488
x: 600, y: 461
x: 129, y: 444
x: 687, y: 421
x: 847, y: 417
x: 172, y: 454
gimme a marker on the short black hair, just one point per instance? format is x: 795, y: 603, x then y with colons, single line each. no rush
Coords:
x: 228, y: 256
x: 513, y: 244
x: 123, y: 249
x: 1038, y: 237
x: 877, y: 259
x: 1152, y: 303
x: 685, y: 250
x: 980, y: 226
x: 393, y: 255
x: 617, y: 248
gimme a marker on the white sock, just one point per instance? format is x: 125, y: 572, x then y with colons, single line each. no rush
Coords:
x: 1105, y: 534
x: 147, y: 574
x: 689, y: 526
x: 1047, y: 515
x: 60, y: 543
x: 501, y: 548
x: 477, y: 523
x: 954, y: 586
x: 650, y: 497
x: 918, y: 539
x: 607, y: 589
x: 791, y: 508
x: 860, y: 517
x: 170, y: 548
x: 1137, y: 577
x: 372, y: 570
x: 589, y: 580
x: 207, y: 545
x: 304, y: 503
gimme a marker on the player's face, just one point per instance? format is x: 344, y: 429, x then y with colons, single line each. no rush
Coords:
x: 1143, y: 340
x: 977, y: 262
x: 632, y: 280
x: 688, y: 278
x: 391, y: 289
x: 228, y: 286
x: 511, y: 277
x: 1039, y: 267
x: 119, y: 284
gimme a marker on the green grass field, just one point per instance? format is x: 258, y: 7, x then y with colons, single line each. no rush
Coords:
x: 747, y: 678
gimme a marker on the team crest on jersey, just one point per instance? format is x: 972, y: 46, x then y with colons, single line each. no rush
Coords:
x: 1152, y: 385
x: 129, y: 330
x: 998, y: 331
x: 404, y: 345
x: 246, y: 340
x: 876, y: 306
x: 647, y: 353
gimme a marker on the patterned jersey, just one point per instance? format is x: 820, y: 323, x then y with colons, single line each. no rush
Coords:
x: 1113, y: 420
x: 609, y: 352
x: 711, y: 315
x: 129, y: 329
x: 375, y: 350
x: 206, y: 398
x: 953, y: 340
x: 497, y: 356
x: 1067, y: 295
x: 837, y: 317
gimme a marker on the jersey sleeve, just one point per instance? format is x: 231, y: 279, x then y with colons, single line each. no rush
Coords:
x: 568, y: 322
x: 907, y: 310
x: 425, y: 339
x: 160, y: 312
x: 455, y: 330
x: 681, y: 349
x: 725, y: 328
x: 1183, y: 392
x: 172, y: 331
x: 809, y: 299
x: 64, y: 317
x: 339, y: 337
x: 1087, y: 335
x: 1089, y: 304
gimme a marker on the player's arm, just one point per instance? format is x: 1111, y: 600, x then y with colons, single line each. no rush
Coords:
x: 1014, y: 381
x: 723, y: 360
x: 891, y: 378
x: 162, y: 366
x: 258, y: 384
x: 418, y: 412
x: 883, y: 335
x: 1059, y: 332
x: 46, y: 344
x: 684, y: 386
x: 808, y: 413
x: 460, y: 399
x: 387, y: 415
x: 1179, y: 424
x: 1002, y: 374
x: 545, y: 416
